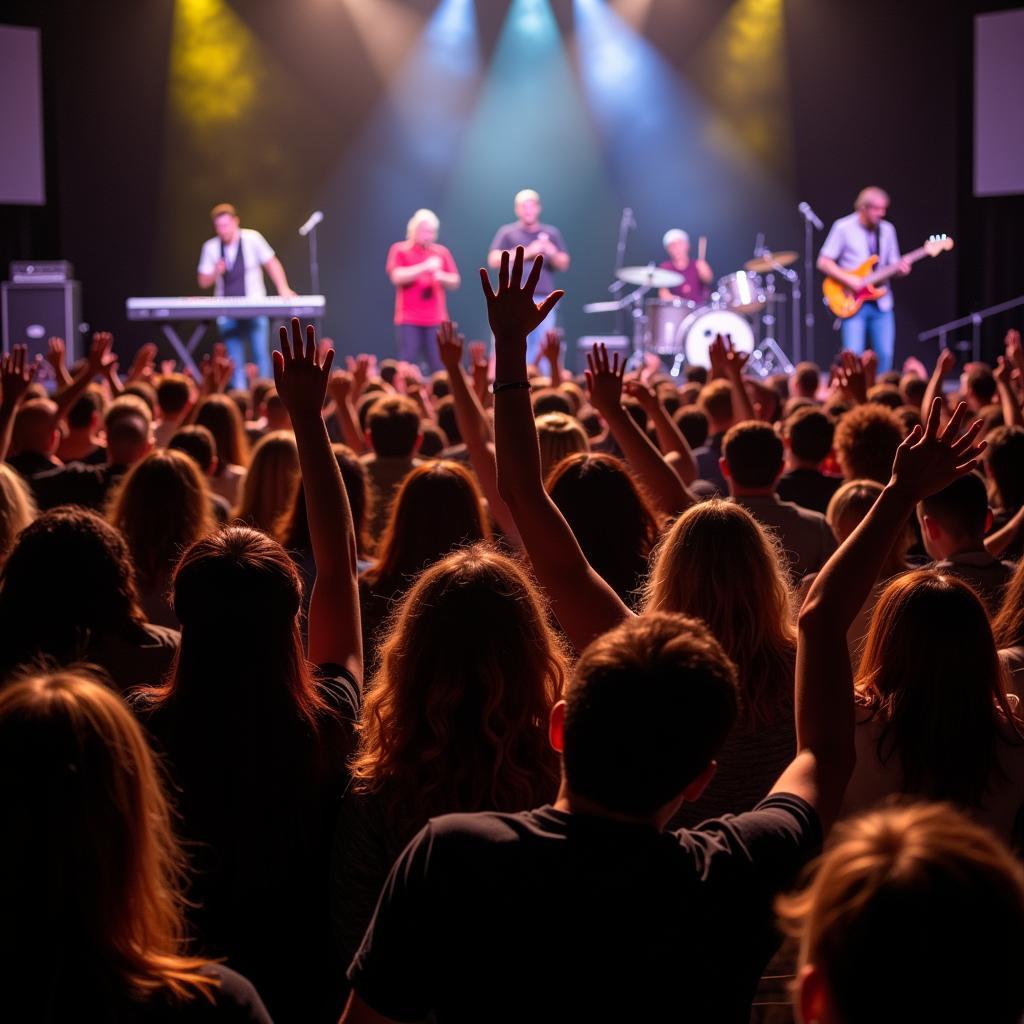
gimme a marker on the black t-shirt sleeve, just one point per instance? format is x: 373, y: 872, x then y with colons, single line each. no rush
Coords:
x: 393, y: 968
x: 237, y: 1000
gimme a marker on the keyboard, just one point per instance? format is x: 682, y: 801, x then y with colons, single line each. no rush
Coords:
x: 209, y: 307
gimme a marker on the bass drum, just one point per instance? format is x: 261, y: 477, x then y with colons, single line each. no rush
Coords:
x: 698, y: 330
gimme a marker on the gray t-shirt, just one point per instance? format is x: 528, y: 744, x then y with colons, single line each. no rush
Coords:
x: 849, y: 243
x: 510, y: 235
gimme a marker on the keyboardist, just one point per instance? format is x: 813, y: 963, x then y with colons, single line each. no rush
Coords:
x: 233, y: 263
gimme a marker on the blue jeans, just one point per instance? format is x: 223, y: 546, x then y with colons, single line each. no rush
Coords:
x: 418, y: 345
x: 534, y: 338
x: 247, y: 341
x: 872, y: 325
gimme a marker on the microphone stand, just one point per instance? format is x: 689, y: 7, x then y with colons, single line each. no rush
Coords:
x: 808, y: 284
x: 625, y: 223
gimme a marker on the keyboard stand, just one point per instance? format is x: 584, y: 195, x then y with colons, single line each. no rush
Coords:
x: 186, y: 348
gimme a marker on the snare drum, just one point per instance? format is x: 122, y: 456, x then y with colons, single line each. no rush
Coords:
x: 663, y: 321
x: 698, y: 330
x: 742, y: 292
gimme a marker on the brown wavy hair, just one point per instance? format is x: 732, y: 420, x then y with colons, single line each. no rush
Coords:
x: 719, y: 564
x: 161, y: 507
x: 269, y: 486
x: 437, y: 508
x: 94, y: 874
x: 221, y: 416
x: 930, y: 672
x: 1008, y: 627
x: 456, y: 717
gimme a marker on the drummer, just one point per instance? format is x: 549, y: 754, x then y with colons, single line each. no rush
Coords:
x: 697, y: 274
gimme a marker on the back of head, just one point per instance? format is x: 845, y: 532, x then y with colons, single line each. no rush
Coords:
x: 437, y: 508
x: 592, y: 489
x: 754, y: 455
x: 682, y: 687
x: 805, y: 381
x: 849, y: 505
x: 866, y: 441
x: 89, y: 854
x: 433, y: 441
x: 810, y: 433
x: 716, y: 402
x: 269, y: 486
x: 912, y: 389
x: 549, y: 400
x: 126, y: 405
x: 559, y: 435
x: 85, y: 412
x: 221, y: 416
x: 694, y: 424
x: 161, y: 506
x: 236, y: 583
x: 696, y: 375
x: 17, y: 507
x: 931, y: 675
x: 456, y: 716
x: 144, y: 392
x: 717, y: 563
x: 885, y: 394
x: 198, y: 443
x: 1004, y: 462
x: 68, y: 576
x: 173, y: 393
x: 980, y: 385
x: 446, y: 420
x: 394, y: 426
x: 35, y: 427
x: 913, y: 913
x: 960, y: 509
x: 128, y: 439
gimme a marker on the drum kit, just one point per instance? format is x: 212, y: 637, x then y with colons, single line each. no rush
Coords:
x: 743, y: 305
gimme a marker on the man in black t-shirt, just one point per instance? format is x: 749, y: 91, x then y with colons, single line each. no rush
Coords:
x: 589, y: 899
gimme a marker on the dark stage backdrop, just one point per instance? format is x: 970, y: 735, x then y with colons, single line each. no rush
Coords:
x: 152, y: 116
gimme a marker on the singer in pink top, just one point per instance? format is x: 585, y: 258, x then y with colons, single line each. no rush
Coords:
x: 421, y: 271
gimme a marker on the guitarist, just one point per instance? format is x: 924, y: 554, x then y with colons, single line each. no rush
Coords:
x: 851, y: 240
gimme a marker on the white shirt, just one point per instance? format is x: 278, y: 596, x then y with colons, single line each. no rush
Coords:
x: 256, y: 250
x: 849, y: 245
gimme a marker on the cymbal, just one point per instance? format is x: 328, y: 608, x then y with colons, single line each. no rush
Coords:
x: 771, y: 261
x: 649, y: 277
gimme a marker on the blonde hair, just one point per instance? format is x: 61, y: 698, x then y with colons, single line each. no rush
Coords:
x: 717, y: 563
x: 91, y: 860
x: 865, y: 193
x: 895, y: 889
x: 17, y: 507
x: 559, y: 435
x: 420, y: 216
x: 268, y: 489
x: 523, y: 195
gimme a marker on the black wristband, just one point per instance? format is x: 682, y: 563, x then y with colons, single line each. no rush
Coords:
x: 506, y: 384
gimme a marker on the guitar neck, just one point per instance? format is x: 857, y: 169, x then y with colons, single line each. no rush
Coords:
x: 884, y: 273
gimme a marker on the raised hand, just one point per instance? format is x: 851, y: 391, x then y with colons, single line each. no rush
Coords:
x: 100, y: 355
x: 167, y: 367
x: 869, y: 360
x: 340, y: 384
x: 299, y: 374
x: 930, y: 459
x: 55, y: 356
x: 142, y: 364
x: 850, y: 378
x: 449, y: 347
x: 511, y: 311
x: 645, y: 395
x: 726, y: 361
x: 945, y: 363
x: 604, y: 380
x: 16, y: 374
x: 551, y: 347
x: 1003, y: 372
x: 359, y: 368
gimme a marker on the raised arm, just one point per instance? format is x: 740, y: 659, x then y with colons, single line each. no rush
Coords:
x: 56, y: 357
x: 670, y: 438
x: 551, y: 350
x: 340, y: 387
x: 101, y: 360
x: 335, y: 632
x: 927, y: 461
x: 727, y: 362
x: 943, y: 365
x: 275, y: 271
x: 583, y: 603
x: 16, y: 373
x: 1012, y: 415
x: 474, y: 428
x: 660, y: 480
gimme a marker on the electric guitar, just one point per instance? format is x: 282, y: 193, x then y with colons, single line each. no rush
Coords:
x: 844, y: 302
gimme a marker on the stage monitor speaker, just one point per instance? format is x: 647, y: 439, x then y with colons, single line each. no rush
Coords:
x: 34, y: 313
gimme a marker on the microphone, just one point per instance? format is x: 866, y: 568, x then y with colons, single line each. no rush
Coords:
x: 314, y: 219
x: 809, y: 214
x: 628, y: 220
x: 759, y: 244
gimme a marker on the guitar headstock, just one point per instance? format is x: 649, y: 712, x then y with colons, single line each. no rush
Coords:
x: 937, y: 244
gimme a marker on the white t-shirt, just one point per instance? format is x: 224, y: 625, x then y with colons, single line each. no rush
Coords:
x: 256, y: 251
x: 849, y: 243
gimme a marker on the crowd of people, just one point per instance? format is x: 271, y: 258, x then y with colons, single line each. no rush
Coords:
x: 507, y: 694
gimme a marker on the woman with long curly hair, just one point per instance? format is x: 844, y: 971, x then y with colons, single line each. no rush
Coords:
x: 161, y: 506
x: 1008, y: 628
x: 94, y: 924
x: 438, y: 507
x: 455, y: 719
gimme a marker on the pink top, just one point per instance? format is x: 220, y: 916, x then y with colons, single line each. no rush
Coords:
x: 420, y: 302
